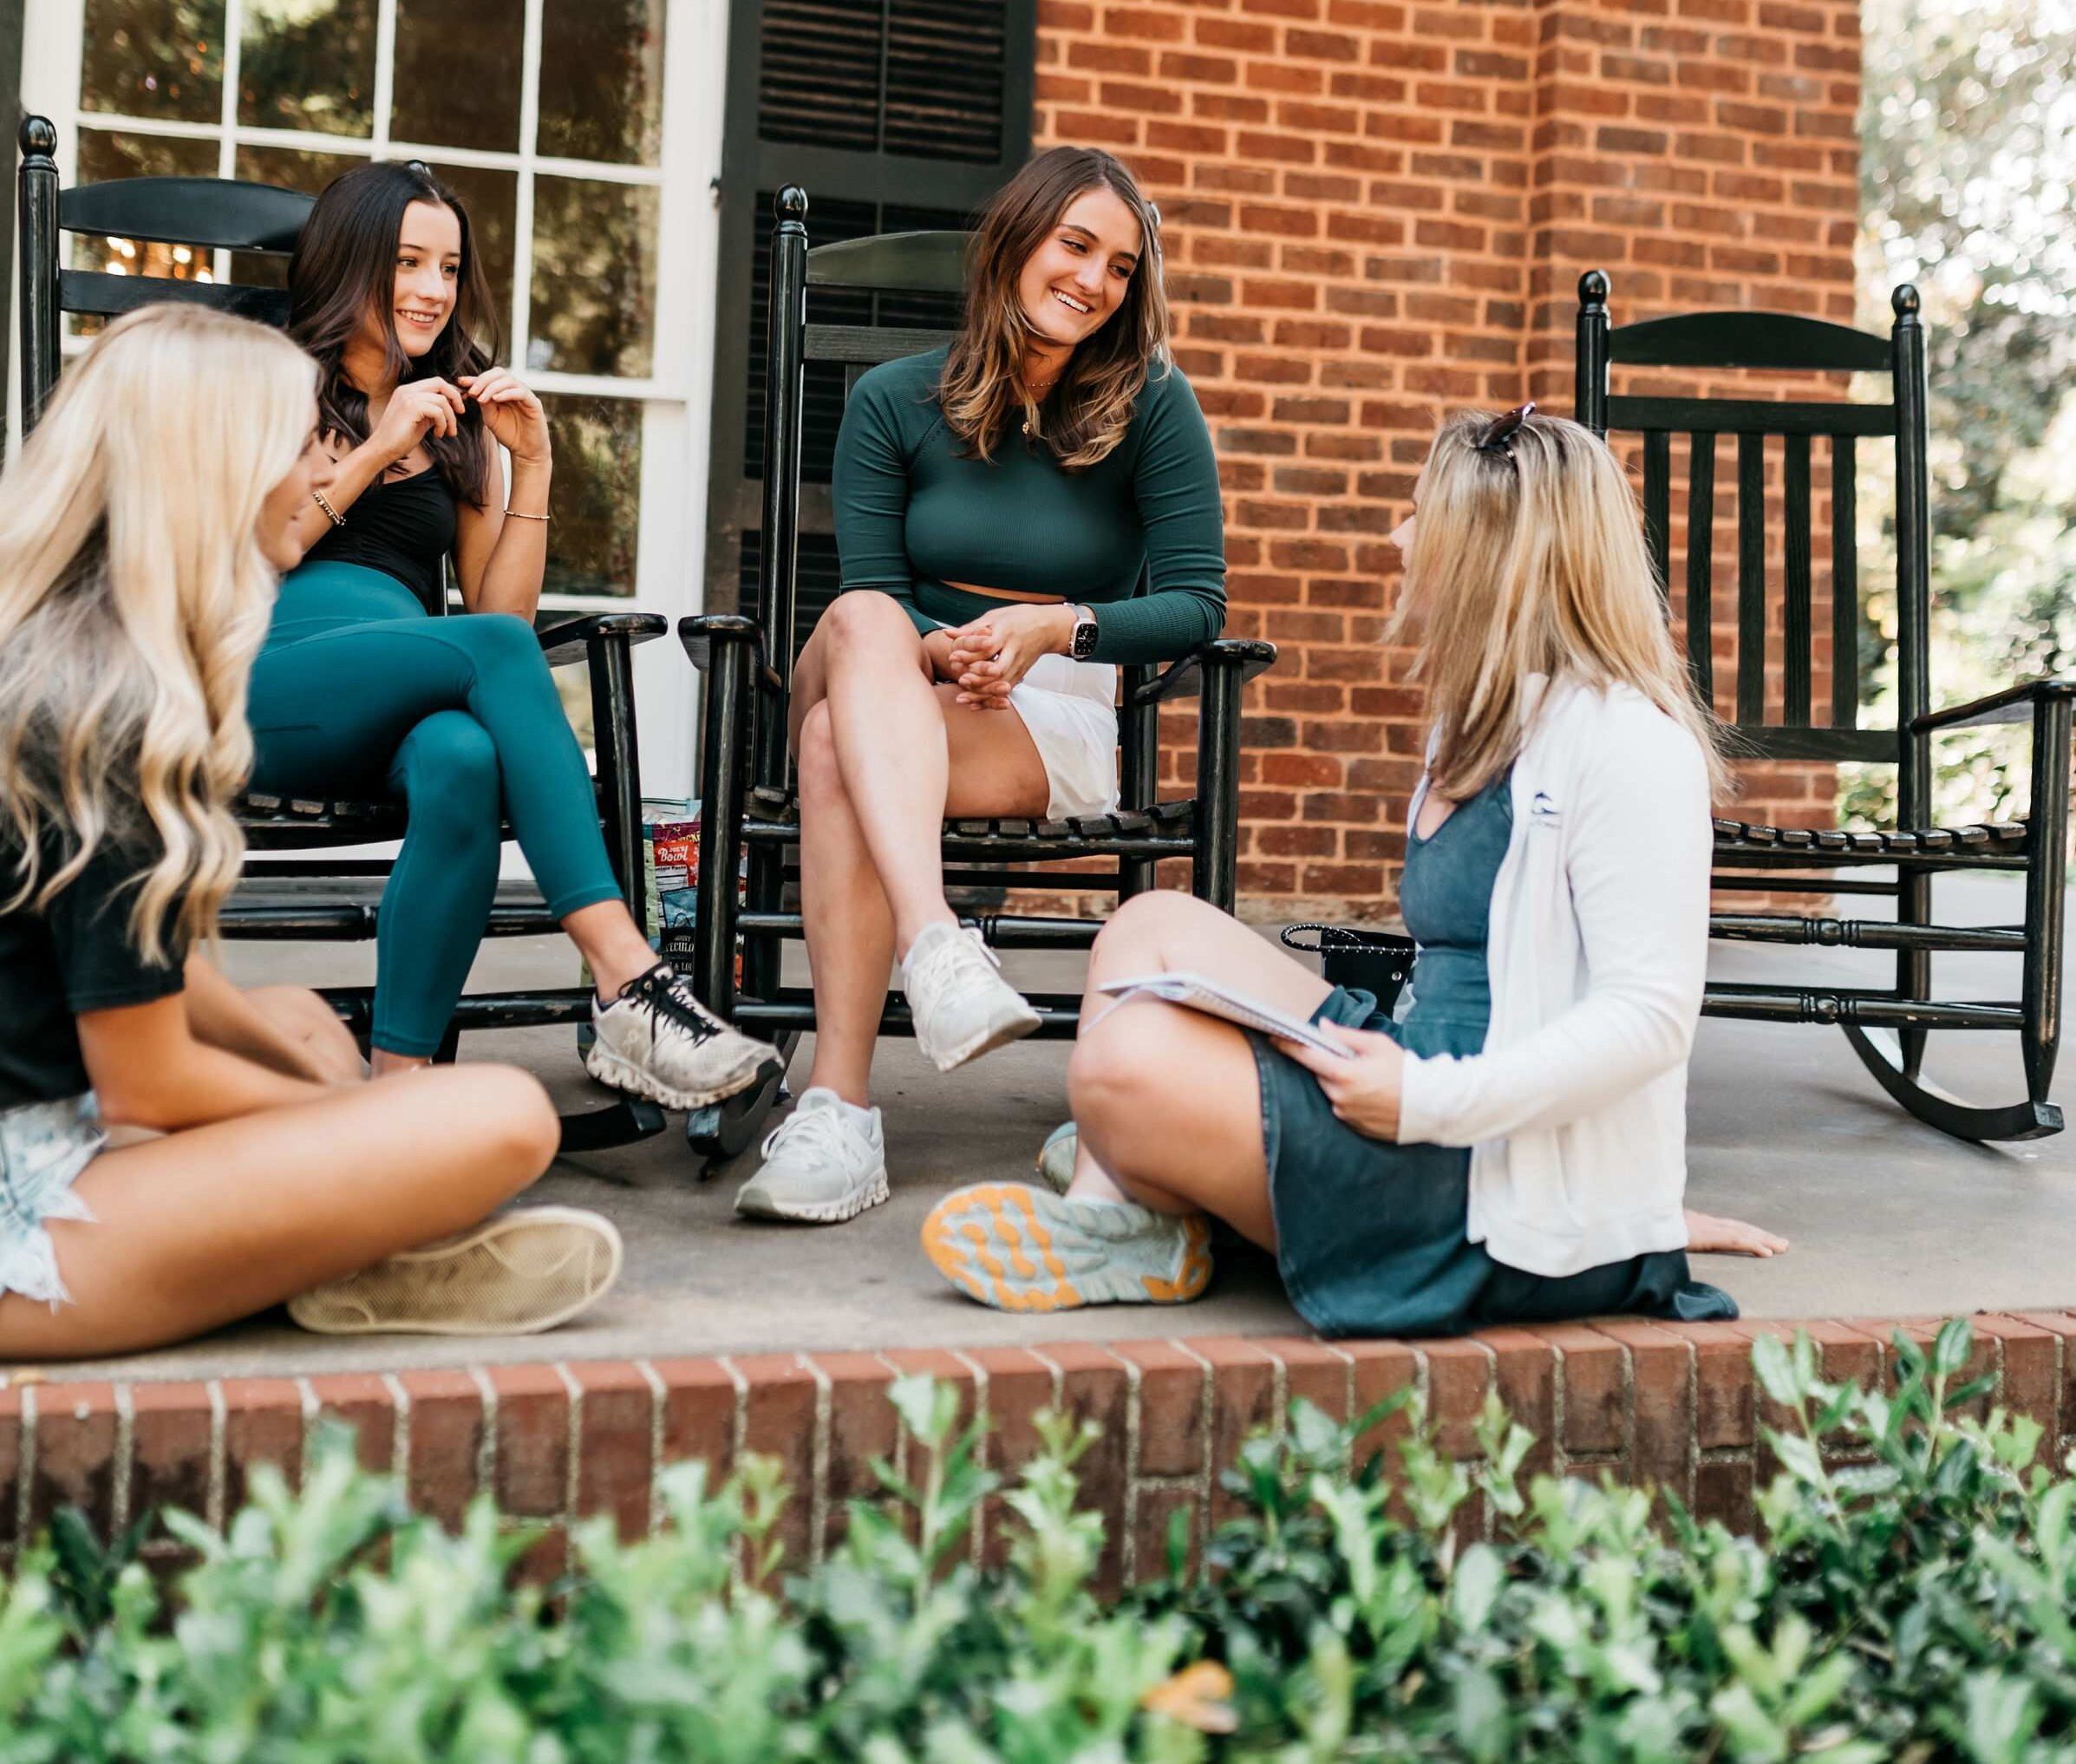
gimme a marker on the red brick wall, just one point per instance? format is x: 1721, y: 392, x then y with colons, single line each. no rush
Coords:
x: 1666, y: 1405
x: 1376, y: 212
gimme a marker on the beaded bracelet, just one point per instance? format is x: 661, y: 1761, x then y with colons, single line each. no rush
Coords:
x: 318, y: 497
x: 520, y: 514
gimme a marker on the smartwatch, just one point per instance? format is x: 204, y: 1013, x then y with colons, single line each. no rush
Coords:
x: 1083, y: 646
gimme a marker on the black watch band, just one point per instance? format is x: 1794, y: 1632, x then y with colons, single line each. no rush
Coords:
x: 1084, y: 639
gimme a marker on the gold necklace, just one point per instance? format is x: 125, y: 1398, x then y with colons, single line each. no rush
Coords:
x: 1038, y: 395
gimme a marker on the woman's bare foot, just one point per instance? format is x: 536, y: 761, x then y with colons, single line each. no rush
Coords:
x: 1707, y: 1235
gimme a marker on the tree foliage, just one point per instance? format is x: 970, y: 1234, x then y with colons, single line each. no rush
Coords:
x: 1967, y: 160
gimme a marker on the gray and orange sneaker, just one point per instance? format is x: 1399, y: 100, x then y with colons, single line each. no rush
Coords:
x: 1018, y: 1248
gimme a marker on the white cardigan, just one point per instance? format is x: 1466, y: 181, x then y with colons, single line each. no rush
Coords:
x: 1598, y: 943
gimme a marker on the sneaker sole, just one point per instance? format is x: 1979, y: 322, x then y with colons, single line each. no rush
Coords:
x: 1000, y: 1034
x: 990, y: 1242
x: 307, y: 1310
x: 873, y: 1194
x: 609, y: 1069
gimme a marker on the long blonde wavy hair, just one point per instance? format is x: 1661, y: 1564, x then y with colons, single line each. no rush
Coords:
x: 1531, y: 565
x: 133, y: 595
x: 982, y: 390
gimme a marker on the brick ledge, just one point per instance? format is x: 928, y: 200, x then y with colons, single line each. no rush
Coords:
x: 1673, y: 1405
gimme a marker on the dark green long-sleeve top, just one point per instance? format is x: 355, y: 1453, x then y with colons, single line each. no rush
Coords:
x: 912, y: 516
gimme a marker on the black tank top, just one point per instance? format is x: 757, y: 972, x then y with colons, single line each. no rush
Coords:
x: 402, y: 526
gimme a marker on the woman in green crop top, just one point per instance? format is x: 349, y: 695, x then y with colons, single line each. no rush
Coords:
x: 1015, y: 515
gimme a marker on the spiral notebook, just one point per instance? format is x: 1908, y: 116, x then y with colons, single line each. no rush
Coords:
x: 1194, y: 992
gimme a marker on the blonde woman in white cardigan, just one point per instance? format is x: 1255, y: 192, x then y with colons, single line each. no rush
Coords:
x: 1514, y: 1148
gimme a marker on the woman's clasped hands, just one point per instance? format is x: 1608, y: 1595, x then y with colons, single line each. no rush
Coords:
x: 987, y: 658
x: 1365, y: 1091
x: 432, y: 406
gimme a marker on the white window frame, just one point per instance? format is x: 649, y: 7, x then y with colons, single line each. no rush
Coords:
x: 669, y: 576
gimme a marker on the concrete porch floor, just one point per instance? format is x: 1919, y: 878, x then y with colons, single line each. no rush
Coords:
x: 1888, y: 1219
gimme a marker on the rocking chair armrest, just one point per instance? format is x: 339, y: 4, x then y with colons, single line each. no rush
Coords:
x: 1246, y: 656
x: 701, y: 633
x: 571, y: 639
x: 2012, y: 704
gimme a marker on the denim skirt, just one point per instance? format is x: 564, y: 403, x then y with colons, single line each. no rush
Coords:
x: 43, y: 1146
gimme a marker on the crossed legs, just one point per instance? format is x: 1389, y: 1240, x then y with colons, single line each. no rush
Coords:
x: 884, y: 755
x: 195, y: 1230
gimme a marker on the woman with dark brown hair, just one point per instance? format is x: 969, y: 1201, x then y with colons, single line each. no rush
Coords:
x: 1016, y: 514
x: 363, y: 689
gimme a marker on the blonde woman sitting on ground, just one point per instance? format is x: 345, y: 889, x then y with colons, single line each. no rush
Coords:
x: 141, y: 526
x: 1514, y: 1150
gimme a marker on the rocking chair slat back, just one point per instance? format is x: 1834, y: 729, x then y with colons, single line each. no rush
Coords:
x: 1844, y: 567
x: 1751, y: 579
x: 1700, y: 562
x: 1796, y: 638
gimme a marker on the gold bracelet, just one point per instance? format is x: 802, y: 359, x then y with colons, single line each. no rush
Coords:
x: 318, y: 497
x: 520, y: 514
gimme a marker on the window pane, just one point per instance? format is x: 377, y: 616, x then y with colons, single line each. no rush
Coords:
x: 458, y: 73
x: 601, y: 80
x: 104, y: 154
x: 597, y: 497
x: 292, y: 168
x: 308, y: 65
x: 156, y: 58
x: 492, y: 199
x: 594, y: 277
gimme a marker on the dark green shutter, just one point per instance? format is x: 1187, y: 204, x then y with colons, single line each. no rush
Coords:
x: 891, y: 114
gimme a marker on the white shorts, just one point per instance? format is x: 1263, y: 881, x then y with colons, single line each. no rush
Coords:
x: 1070, y: 708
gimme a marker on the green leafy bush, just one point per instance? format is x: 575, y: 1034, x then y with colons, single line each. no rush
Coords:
x: 1914, y: 1605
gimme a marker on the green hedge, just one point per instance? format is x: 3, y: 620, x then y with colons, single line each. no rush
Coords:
x: 1915, y: 1606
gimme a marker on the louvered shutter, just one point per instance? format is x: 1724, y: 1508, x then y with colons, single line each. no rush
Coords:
x: 892, y: 115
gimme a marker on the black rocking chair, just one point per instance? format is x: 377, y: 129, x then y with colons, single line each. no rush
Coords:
x: 1887, y: 1026
x: 748, y: 811
x: 322, y: 899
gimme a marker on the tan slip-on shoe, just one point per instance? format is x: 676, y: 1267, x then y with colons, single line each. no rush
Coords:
x: 515, y: 1274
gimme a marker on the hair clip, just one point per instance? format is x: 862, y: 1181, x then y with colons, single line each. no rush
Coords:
x: 1498, y: 438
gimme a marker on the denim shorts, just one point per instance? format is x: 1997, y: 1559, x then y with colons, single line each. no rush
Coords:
x: 43, y: 1146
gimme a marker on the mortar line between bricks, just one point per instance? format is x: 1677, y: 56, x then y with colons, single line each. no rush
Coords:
x: 306, y: 1395
x: 126, y: 1453
x: 487, y: 1442
x: 1560, y: 1459
x: 1348, y: 1394
x: 218, y: 1487
x: 574, y: 1391
x: 1128, y: 1543
x: 657, y: 1397
x: 400, y: 1429
x: 739, y: 1419
x: 26, y: 1470
x: 1185, y: 1483
x: 818, y: 1459
x: 984, y: 1452
x: 1207, y: 1417
x: 1693, y: 1426
x: 1058, y: 1377
x: 898, y: 1457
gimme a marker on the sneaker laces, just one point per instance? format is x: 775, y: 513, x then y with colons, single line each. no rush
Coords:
x: 949, y: 959
x: 667, y: 995
x: 817, y: 1131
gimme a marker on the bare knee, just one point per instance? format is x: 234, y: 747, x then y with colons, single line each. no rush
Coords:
x: 822, y: 779
x: 1151, y: 922
x: 1113, y: 1077
x: 512, y: 1127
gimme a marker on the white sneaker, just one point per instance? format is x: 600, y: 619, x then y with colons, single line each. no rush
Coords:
x: 820, y: 1167
x: 1056, y: 1157
x: 961, y: 1005
x: 514, y: 1274
x: 657, y: 1040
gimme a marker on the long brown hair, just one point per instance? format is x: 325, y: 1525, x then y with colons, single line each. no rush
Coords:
x: 982, y: 389
x: 345, y: 268
x: 1531, y: 559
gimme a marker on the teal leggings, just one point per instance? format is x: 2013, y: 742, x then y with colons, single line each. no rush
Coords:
x: 359, y: 693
